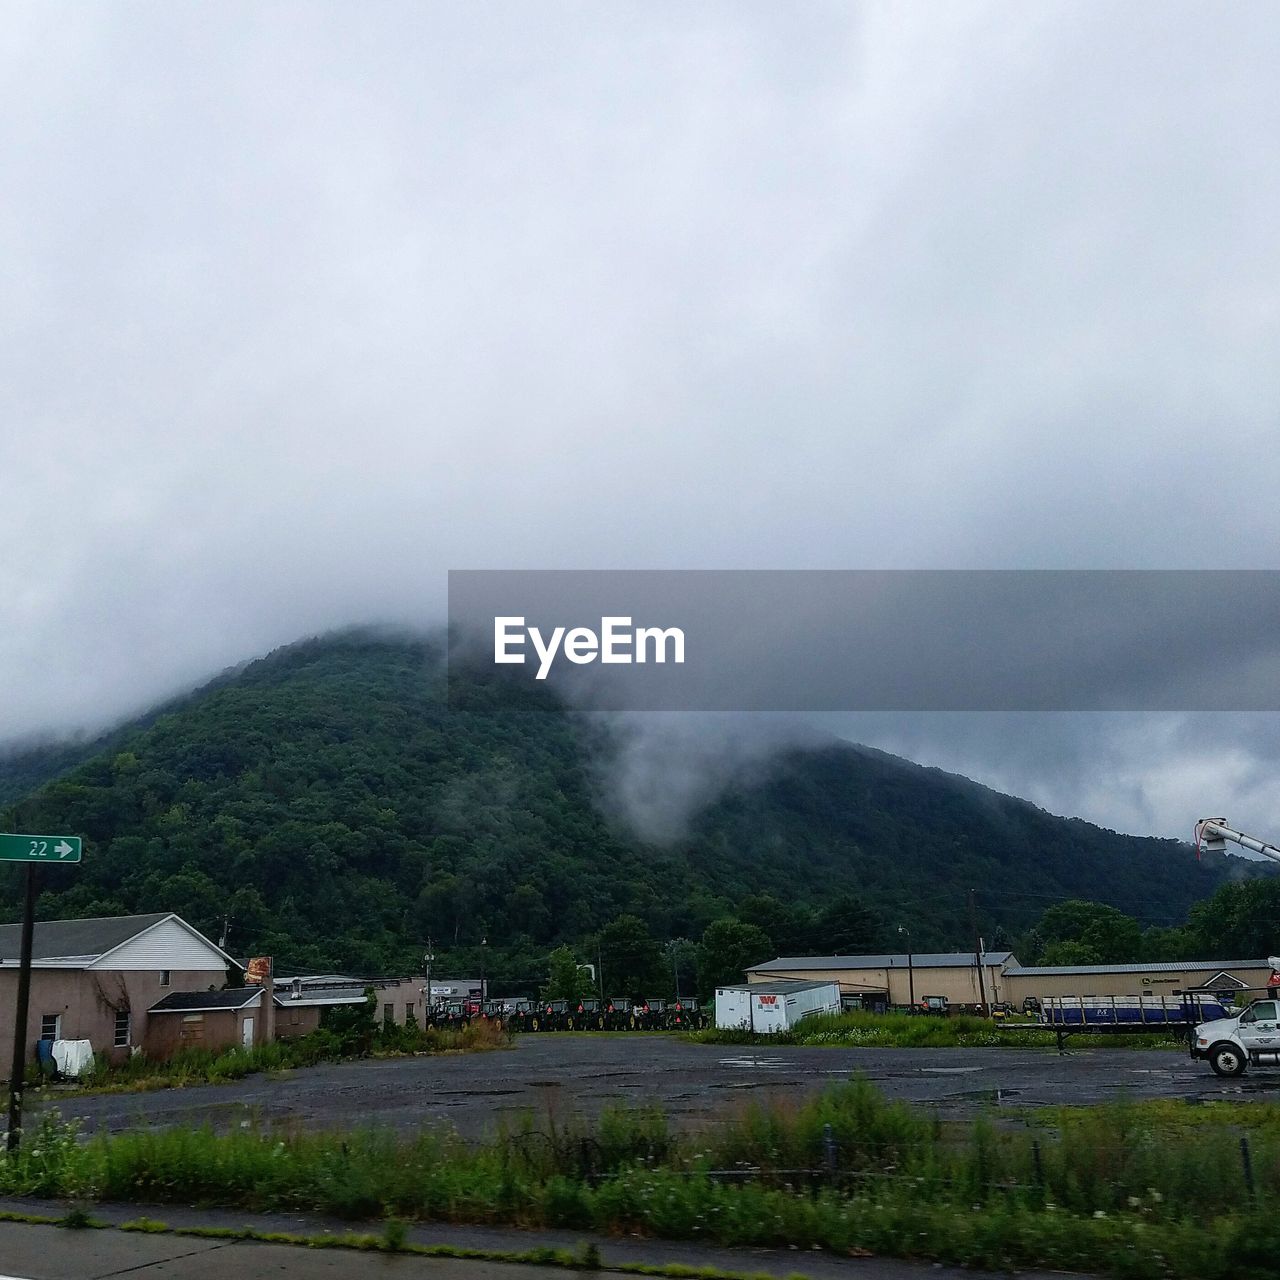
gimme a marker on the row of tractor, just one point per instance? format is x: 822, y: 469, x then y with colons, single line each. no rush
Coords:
x: 574, y: 1015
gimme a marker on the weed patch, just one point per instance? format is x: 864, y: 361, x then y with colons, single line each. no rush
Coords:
x: 1142, y: 1191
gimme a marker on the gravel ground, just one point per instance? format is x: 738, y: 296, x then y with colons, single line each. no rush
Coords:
x: 582, y: 1073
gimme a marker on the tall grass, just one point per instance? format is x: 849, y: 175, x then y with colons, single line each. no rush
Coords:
x: 1117, y: 1189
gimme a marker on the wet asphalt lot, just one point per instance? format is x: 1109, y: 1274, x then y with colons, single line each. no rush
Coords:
x: 568, y: 1074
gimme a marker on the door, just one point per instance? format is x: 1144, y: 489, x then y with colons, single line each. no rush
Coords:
x: 246, y: 1033
x: 1258, y: 1027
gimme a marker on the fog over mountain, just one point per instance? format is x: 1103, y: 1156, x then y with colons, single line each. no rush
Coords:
x: 302, y: 306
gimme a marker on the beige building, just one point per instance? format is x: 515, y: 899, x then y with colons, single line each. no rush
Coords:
x: 1148, y: 980
x: 880, y: 980
x: 891, y: 979
x: 99, y: 979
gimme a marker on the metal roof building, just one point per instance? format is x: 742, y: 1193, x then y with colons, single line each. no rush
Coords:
x: 897, y: 978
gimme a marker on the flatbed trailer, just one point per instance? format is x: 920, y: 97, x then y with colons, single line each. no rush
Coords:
x: 1129, y: 1015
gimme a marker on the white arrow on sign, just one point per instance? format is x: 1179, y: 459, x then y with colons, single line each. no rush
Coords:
x: 62, y: 848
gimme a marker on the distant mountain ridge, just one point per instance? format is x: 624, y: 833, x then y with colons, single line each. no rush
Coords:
x: 326, y: 805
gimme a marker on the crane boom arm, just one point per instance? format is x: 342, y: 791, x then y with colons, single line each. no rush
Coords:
x: 1213, y: 833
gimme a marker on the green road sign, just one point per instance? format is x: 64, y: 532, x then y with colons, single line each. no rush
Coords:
x: 15, y: 848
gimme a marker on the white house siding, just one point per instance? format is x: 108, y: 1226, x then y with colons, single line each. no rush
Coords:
x: 167, y: 945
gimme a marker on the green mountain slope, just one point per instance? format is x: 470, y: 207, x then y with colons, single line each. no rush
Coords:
x: 326, y: 806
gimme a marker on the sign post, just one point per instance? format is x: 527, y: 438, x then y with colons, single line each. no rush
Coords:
x: 32, y: 850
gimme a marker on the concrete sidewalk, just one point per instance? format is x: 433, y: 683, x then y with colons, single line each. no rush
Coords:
x: 36, y: 1252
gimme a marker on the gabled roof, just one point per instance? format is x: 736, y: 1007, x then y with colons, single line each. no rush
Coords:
x: 80, y: 943
x: 924, y: 960
x: 205, y: 1001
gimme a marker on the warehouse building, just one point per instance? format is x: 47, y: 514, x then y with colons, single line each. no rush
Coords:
x: 1147, y: 980
x: 877, y: 981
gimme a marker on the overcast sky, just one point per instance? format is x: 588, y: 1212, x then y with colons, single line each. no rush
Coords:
x: 303, y: 305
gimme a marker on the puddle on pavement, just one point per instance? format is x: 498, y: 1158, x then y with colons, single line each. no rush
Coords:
x: 752, y: 1061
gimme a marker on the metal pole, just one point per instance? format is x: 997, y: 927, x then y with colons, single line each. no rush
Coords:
x: 977, y: 952
x: 911, y: 974
x: 18, y: 1070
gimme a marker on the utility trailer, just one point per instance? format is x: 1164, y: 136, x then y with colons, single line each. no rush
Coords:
x: 770, y: 1007
x: 1129, y: 1015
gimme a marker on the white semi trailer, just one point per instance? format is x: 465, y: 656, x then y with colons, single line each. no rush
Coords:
x: 769, y: 1007
x: 1251, y: 1037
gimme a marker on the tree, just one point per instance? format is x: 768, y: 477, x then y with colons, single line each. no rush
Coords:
x: 1080, y: 932
x: 849, y: 927
x: 1241, y: 921
x: 630, y: 957
x: 727, y: 948
x: 567, y: 981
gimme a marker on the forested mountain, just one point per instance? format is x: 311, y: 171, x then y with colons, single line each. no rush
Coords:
x: 327, y: 806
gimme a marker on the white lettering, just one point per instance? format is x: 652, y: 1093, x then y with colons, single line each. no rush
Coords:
x: 659, y: 636
x: 546, y: 652
x: 611, y: 640
x: 502, y: 637
x: 616, y: 642
x: 581, y: 645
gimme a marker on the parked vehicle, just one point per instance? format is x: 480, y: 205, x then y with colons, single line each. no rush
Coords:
x: 526, y: 1015
x: 620, y: 1015
x: 454, y: 1014
x: 495, y: 1011
x: 937, y: 1005
x: 590, y: 1015
x: 651, y: 1014
x: 1237, y: 1041
x: 685, y: 1015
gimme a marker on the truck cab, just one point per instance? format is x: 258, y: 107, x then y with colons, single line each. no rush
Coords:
x: 1250, y: 1038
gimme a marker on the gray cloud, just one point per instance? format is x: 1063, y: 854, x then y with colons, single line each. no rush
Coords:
x: 301, y: 306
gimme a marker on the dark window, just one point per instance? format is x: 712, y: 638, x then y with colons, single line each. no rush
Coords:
x: 51, y: 1026
x: 122, y: 1028
x: 388, y: 1013
x: 164, y: 977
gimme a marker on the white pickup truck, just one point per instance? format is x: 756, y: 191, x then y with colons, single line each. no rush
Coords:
x: 1250, y: 1039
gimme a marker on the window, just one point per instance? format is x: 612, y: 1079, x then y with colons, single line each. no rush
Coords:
x: 1261, y: 1011
x: 388, y: 1013
x: 164, y: 977
x: 51, y: 1026
x: 122, y: 1028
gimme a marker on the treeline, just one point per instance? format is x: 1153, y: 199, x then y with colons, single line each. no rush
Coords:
x: 1239, y: 922
x: 329, y: 805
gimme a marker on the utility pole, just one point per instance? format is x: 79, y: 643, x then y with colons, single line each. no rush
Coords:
x: 977, y: 952
x: 17, y: 1072
x: 911, y: 973
x: 426, y: 964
